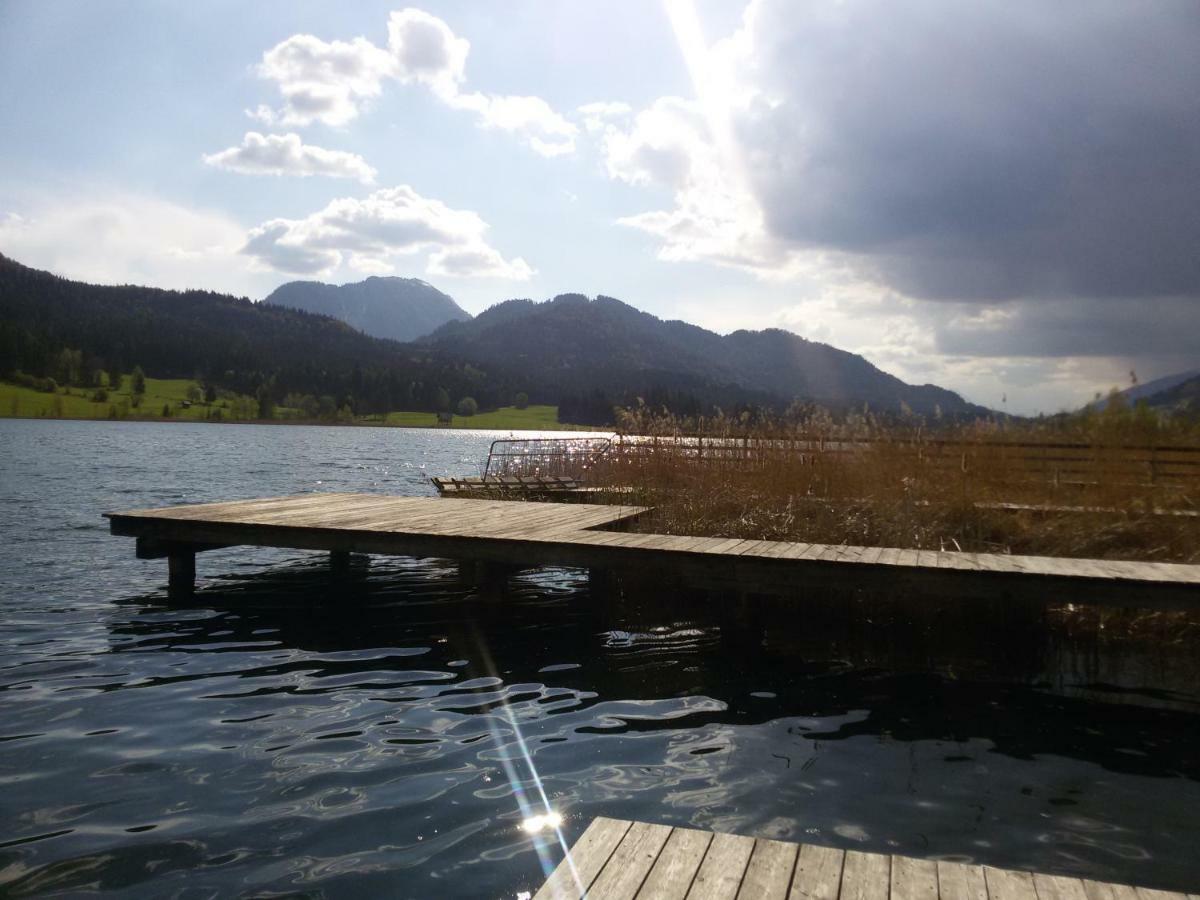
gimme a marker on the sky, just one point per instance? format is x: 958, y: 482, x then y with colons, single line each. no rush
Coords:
x: 1001, y: 197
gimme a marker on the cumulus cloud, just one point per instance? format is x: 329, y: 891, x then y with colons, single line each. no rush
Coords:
x: 323, y: 81
x: 332, y: 82
x: 427, y: 51
x: 599, y: 116
x: 368, y: 232
x: 286, y: 154
x: 531, y: 118
x: 715, y: 219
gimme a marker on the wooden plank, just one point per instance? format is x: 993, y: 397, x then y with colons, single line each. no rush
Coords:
x: 579, y: 868
x: 769, y: 874
x: 1154, y: 894
x: 1099, y: 890
x: 871, y: 555
x: 1058, y: 887
x: 722, y: 545
x: 1005, y: 884
x: 818, y: 873
x: 889, y: 557
x: 814, y: 551
x: 865, y: 876
x: 629, y: 864
x: 914, y: 879
x: 796, y: 551
x: 957, y: 881
x: 720, y: 873
x: 677, y: 864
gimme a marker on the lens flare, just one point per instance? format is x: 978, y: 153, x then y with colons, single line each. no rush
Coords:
x: 534, y: 824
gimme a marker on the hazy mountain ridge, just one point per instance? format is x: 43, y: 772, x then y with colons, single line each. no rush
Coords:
x: 1164, y: 392
x: 582, y: 343
x: 1179, y: 393
x: 400, y: 309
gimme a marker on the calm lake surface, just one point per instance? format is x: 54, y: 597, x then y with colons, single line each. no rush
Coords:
x: 288, y: 734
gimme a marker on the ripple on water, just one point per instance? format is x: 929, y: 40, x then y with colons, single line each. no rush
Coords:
x: 388, y: 734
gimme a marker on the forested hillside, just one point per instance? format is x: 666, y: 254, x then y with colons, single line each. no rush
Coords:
x: 594, y: 351
x: 246, y: 347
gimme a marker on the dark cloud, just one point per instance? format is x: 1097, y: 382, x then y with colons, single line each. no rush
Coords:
x: 986, y: 150
x: 1111, y: 326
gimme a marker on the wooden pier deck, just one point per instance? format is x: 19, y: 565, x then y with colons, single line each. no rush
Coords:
x: 619, y: 860
x: 529, y: 534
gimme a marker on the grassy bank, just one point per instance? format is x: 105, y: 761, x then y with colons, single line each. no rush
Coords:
x: 1102, y: 491
x: 171, y: 394
x: 176, y: 398
x: 531, y: 418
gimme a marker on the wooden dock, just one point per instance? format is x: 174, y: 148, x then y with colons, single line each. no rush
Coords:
x: 528, y: 534
x: 619, y: 860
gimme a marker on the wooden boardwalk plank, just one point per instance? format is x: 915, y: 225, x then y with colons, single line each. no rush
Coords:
x: 769, y: 874
x: 579, y: 868
x: 1057, y: 887
x: 720, y: 874
x: 617, y: 859
x: 865, y: 876
x: 629, y: 864
x: 957, y: 881
x: 677, y: 864
x: 914, y: 879
x: 1003, y: 884
x: 818, y: 873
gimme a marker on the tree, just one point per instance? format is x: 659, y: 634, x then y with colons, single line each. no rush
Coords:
x: 266, y: 403
x: 467, y: 406
x: 139, y: 381
x: 193, y: 393
x: 522, y: 400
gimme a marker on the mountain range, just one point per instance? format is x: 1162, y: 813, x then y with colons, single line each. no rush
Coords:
x: 1177, y: 392
x: 580, y: 344
x: 401, y: 309
x: 587, y: 355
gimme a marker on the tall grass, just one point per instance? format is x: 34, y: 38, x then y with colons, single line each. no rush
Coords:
x: 1116, y: 485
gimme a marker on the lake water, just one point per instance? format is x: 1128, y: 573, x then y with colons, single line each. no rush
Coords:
x: 386, y: 735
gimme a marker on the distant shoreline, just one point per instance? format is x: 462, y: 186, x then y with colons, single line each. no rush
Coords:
x: 159, y: 420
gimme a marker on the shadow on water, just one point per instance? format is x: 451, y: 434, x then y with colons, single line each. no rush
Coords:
x: 363, y: 733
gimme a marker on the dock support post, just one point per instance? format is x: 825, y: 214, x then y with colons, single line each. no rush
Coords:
x: 491, y: 578
x: 181, y: 572
x: 741, y: 622
x: 339, y: 562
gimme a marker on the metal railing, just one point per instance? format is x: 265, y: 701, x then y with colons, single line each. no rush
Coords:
x: 569, y: 457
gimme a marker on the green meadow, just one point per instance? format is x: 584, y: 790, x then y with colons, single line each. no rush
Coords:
x: 78, y: 403
x: 506, y: 418
x: 171, y: 396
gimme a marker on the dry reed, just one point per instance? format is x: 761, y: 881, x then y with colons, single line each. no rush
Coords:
x: 1117, y: 485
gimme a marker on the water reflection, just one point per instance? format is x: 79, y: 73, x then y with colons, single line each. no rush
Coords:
x: 400, y: 720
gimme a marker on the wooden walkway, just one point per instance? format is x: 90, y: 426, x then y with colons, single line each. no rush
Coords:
x: 526, y: 534
x: 619, y: 860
